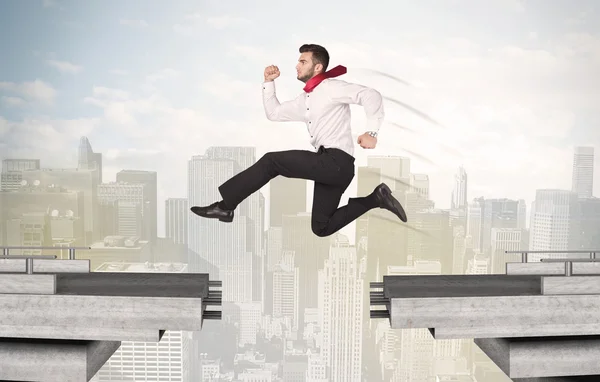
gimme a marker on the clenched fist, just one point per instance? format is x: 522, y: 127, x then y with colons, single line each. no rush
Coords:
x: 271, y: 72
x: 366, y: 141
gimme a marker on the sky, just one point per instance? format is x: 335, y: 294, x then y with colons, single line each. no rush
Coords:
x: 512, y: 85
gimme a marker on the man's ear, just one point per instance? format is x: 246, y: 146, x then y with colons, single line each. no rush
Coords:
x: 319, y: 68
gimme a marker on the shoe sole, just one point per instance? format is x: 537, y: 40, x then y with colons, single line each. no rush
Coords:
x: 397, y: 206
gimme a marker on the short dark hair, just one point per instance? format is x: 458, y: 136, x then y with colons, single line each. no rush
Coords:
x: 319, y: 54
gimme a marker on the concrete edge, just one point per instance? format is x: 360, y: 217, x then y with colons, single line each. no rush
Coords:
x: 522, y: 331
x: 98, y: 353
x: 498, y: 350
x: 23, y: 283
x: 570, y: 285
x: 80, y: 333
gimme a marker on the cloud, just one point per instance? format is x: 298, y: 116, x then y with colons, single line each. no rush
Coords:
x: 255, y: 53
x: 187, y: 29
x: 119, y: 72
x: 43, y: 136
x: 193, y: 25
x: 515, y: 5
x: 222, y: 22
x: 33, y: 91
x: 114, y: 160
x: 153, y: 80
x: 13, y: 101
x: 119, y: 108
x: 580, y: 19
x: 117, y: 94
x: 134, y: 23
x: 167, y: 73
x: 236, y: 92
x: 64, y: 66
x: 127, y: 114
x: 52, y: 4
x: 4, y: 126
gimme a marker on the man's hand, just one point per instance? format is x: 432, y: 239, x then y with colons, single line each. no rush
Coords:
x: 367, y: 142
x: 271, y: 72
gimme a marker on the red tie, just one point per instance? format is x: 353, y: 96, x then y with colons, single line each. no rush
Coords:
x: 313, y: 82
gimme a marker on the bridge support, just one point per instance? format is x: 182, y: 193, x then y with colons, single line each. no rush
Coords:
x: 64, y: 326
x: 540, y: 322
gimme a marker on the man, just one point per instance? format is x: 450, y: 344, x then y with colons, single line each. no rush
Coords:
x: 324, y: 106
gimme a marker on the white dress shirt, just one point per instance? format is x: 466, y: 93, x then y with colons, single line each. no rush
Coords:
x: 326, y: 111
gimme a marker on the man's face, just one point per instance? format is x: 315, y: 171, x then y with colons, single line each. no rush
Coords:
x: 306, y: 68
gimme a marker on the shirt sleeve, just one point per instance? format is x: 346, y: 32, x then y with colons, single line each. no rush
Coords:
x: 281, y: 112
x: 370, y: 99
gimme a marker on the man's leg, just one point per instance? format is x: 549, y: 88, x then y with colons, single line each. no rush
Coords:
x: 302, y: 164
x: 327, y: 218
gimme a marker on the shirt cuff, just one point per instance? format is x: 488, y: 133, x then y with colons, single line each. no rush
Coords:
x: 374, y: 124
x: 268, y: 86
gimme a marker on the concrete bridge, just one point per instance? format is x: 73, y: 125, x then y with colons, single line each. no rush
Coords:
x: 538, y: 322
x: 61, y: 322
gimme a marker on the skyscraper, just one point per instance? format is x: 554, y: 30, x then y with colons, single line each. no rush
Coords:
x: 288, y: 197
x: 340, y: 308
x: 88, y: 159
x: 459, y: 193
x: 176, y: 219
x: 583, y: 172
x: 150, y: 202
x: 553, y: 222
x: 230, y: 252
x: 12, y: 172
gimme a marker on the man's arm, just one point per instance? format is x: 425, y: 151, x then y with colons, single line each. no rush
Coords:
x: 281, y: 112
x: 369, y: 99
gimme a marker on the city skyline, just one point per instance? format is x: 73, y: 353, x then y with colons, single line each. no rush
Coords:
x: 460, y: 189
x: 468, y: 239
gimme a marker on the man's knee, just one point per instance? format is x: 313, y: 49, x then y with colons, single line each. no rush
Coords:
x: 267, y: 162
x: 320, y: 228
x: 267, y: 157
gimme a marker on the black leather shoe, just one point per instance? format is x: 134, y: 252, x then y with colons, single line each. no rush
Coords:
x: 213, y: 211
x: 387, y: 201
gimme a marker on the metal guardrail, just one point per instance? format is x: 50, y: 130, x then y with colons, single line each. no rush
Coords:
x: 568, y: 262
x: 524, y: 254
x: 6, y: 250
x: 21, y: 257
x: 377, y: 298
x: 214, y: 298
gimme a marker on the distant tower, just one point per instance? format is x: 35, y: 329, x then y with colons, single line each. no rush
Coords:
x: 583, y: 172
x: 459, y: 193
x: 86, y: 154
x: 88, y: 159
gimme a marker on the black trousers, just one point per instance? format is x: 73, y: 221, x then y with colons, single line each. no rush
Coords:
x: 331, y: 169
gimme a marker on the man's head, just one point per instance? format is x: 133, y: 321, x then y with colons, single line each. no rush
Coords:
x: 313, y: 60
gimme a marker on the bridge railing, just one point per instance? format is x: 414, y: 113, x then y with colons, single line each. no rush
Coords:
x: 6, y: 250
x: 568, y: 262
x: 29, y: 259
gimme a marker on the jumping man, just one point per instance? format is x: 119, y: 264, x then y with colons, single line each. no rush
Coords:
x: 324, y: 106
